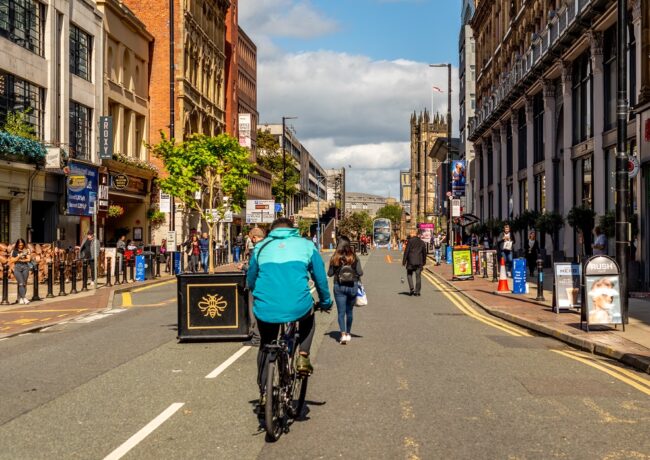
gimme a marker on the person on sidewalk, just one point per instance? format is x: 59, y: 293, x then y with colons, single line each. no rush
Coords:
x: 237, y: 248
x: 415, y: 258
x: 89, y: 251
x: 204, y: 249
x: 506, y: 244
x: 21, y: 258
x: 599, y: 246
x: 346, y: 269
x: 437, y: 245
x: 120, y: 248
x: 193, y: 251
x: 256, y: 235
x: 532, y: 252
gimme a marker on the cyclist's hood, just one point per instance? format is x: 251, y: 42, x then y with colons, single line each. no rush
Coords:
x: 283, y: 232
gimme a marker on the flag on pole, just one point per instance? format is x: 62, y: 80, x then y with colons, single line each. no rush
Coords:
x: 437, y: 90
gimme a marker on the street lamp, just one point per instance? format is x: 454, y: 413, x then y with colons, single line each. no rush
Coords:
x: 446, y: 169
x: 284, y: 162
x: 319, y: 179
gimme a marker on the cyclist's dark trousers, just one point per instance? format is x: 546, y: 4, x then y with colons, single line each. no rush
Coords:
x: 269, y: 333
x: 418, y: 278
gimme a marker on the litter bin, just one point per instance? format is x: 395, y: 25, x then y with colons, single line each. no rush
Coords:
x: 149, y: 261
x: 212, y: 306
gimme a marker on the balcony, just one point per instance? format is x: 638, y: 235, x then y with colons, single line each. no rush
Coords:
x: 510, y: 84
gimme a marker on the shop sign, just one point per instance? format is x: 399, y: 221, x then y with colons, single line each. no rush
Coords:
x: 105, y: 138
x: 120, y: 181
x: 81, y: 185
x: 53, y: 157
x: 102, y: 196
x: 426, y: 231
x: 462, y: 260
x: 171, y: 241
x: 567, y: 285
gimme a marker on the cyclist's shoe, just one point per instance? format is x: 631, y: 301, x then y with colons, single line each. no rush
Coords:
x: 303, y: 365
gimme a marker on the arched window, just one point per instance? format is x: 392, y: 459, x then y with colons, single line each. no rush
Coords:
x: 126, y: 70
x: 110, y: 66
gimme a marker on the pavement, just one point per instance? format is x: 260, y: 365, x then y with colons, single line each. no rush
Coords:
x: 631, y: 347
x: 16, y: 319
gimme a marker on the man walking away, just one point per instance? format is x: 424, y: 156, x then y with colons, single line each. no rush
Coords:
x: 89, y: 250
x: 415, y: 257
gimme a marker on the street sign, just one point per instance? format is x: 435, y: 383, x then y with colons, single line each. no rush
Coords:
x: 260, y: 211
x: 165, y: 202
x: 566, y: 285
x: 171, y: 241
x: 278, y: 207
x: 455, y: 208
x: 633, y: 166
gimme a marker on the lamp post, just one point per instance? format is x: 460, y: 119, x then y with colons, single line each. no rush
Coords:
x: 319, y: 179
x: 622, y: 177
x: 446, y: 169
x: 284, y: 162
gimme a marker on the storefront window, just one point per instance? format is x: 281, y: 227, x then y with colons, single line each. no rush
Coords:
x: 584, y: 182
x: 523, y: 195
x: 4, y: 221
x: 582, y: 99
x: 540, y: 192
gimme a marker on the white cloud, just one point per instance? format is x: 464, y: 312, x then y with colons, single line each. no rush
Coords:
x: 284, y: 18
x: 351, y: 109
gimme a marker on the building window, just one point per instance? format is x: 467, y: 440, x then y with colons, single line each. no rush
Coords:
x: 80, y: 49
x: 490, y: 163
x: 17, y: 95
x: 509, y: 156
x: 583, y: 115
x: 4, y: 220
x: 584, y: 182
x: 522, y: 139
x: 491, y: 204
x: 609, y: 70
x: 523, y: 196
x: 79, y: 131
x: 540, y: 192
x: 538, y: 127
x: 21, y: 21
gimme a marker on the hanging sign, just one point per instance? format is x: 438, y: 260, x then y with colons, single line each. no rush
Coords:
x: 105, y: 138
x: 120, y: 181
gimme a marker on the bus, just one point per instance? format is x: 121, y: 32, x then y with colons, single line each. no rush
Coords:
x: 381, y: 232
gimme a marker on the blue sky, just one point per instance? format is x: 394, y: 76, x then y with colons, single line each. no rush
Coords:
x: 353, y: 72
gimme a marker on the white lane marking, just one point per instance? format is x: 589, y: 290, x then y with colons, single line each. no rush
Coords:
x: 223, y: 366
x: 144, y: 432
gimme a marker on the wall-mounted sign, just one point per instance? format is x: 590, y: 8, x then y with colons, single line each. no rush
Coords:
x: 102, y: 195
x: 105, y: 138
x: 81, y: 185
x: 120, y: 181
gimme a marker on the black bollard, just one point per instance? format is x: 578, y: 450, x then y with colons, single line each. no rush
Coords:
x: 73, y: 277
x: 131, y: 269
x: 62, y: 278
x: 50, y: 280
x: 157, y: 275
x: 540, y: 280
x: 495, y: 267
x: 84, y: 275
x: 117, y: 271
x: 5, y: 285
x: 35, y: 272
x: 124, y: 263
x: 109, y: 265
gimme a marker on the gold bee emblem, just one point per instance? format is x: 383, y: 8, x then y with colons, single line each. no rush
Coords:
x: 213, y: 305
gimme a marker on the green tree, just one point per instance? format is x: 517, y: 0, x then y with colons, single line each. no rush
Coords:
x: 18, y: 124
x: 550, y: 223
x: 392, y: 212
x: 354, y: 224
x: 271, y: 158
x: 304, y: 226
x: 582, y: 219
x: 208, y: 174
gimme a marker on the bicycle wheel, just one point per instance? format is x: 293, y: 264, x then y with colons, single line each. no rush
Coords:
x: 298, y: 396
x: 274, y: 407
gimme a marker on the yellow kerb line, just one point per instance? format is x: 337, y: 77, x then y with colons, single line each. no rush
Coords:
x: 604, y: 369
x: 126, y: 300
x: 144, y: 288
x: 465, y: 308
x: 602, y: 362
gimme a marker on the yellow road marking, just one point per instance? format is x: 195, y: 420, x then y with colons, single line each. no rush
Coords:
x: 412, y: 448
x: 407, y: 410
x: 73, y: 310
x: 602, y: 362
x: 643, y: 388
x: 126, y: 300
x: 469, y: 311
x: 144, y: 288
x: 389, y: 259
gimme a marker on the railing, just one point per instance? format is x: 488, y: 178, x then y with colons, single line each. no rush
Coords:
x: 557, y: 27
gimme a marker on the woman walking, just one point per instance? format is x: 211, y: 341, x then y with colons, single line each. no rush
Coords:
x: 20, y: 256
x: 532, y: 252
x: 194, y: 252
x: 345, y: 267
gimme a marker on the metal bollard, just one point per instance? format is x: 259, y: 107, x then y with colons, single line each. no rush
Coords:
x: 157, y: 275
x: 73, y: 280
x: 50, y: 280
x: 131, y: 269
x: 84, y: 275
x: 62, y: 278
x: 495, y: 264
x: 117, y: 271
x: 35, y: 272
x: 109, y: 265
x: 124, y: 263
x: 540, y: 280
x: 5, y: 285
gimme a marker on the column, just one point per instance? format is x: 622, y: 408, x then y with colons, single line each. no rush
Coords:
x: 567, y: 190
x: 496, y: 179
x: 119, y: 127
x: 132, y: 142
x: 485, y: 181
x: 529, y: 153
x: 550, y: 135
x: 598, y: 176
x: 514, y: 124
x: 503, y: 196
x: 478, y: 180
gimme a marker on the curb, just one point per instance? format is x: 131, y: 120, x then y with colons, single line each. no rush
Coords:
x: 132, y: 286
x: 641, y: 363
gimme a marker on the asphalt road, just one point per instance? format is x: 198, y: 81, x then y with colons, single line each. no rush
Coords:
x: 423, y: 377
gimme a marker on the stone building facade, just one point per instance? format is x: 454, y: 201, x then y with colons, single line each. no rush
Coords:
x: 545, y: 125
x: 467, y: 94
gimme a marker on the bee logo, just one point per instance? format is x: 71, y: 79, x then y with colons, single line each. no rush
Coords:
x: 212, y: 305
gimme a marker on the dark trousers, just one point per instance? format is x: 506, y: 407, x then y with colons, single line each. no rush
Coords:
x: 417, y: 270
x: 269, y: 332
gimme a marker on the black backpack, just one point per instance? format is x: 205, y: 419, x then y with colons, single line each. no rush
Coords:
x: 347, y: 275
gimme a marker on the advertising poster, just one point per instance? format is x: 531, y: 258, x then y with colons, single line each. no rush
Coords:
x: 81, y: 185
x: 245, y: 130
x: 519, y: 276
x: 426, y: 232
x: 567, y: 285
x: 603, y: 300
x: 462, y: 259
x: 458, y: 178
x: 491, y: 258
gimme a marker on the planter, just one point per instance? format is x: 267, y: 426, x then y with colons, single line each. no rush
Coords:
x: 212, y: 306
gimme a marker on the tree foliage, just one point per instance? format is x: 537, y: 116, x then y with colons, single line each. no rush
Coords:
x: 208, y: 174
x: 550, y: 223
x: 353, y: 225
x: 18, y: 124
x: 271, y: 158
x: 392, y: 212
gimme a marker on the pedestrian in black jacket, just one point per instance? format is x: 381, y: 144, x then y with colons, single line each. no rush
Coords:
x: 415, y: 257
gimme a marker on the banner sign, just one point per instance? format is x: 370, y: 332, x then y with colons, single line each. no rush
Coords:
x: 102, y: 195
x: 426, y: 232
x: 458, y: 178
x: 462, y: 258
x: 105, y: 138
x: 81, y: 185
x: 519, y: 276
x: 602, y: 291
x: 567, y: 278
x: 165, y: 202
x: 455, y: 207
x: 260, y: 211
x: 245, y: 130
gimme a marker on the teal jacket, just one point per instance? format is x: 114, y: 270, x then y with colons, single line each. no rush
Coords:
x: 278, y: 276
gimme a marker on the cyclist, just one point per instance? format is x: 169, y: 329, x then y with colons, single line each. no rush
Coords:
x: 278, y: 276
